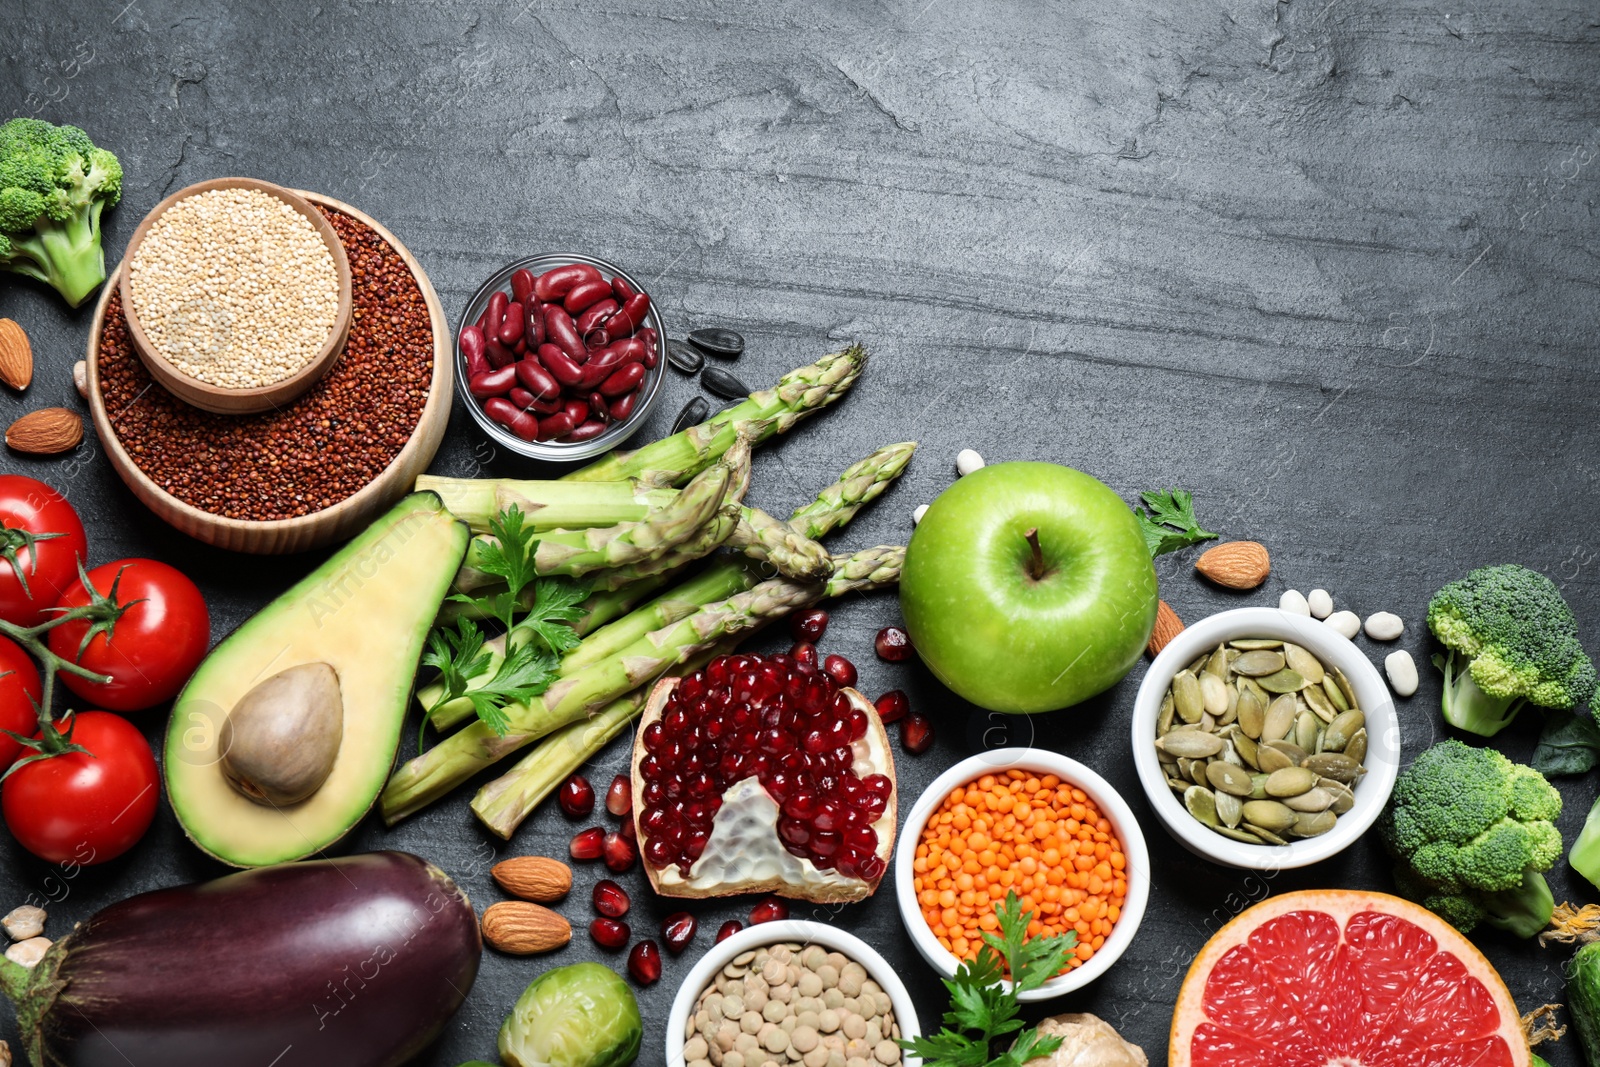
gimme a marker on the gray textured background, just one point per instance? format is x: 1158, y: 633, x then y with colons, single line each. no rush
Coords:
x: 1331, y: 264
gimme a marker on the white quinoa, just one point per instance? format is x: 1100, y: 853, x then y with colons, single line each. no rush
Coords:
x: 235, y: 288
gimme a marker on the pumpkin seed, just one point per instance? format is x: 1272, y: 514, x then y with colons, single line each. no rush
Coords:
x: 1267, y: 814
x: 1183, y: 766
x: 1296, y: 754
x: 1246, y: 748
x: 1226, y: 778
x: 1284, y: 681
x: 1345, y: 687
x: 1255, y: 687
x: 1164, y: 716
x: 1232, y: 713
x: 1230, y: 756
x: 1230, y: 809
x: 1319, y: 703
x: 1258, y: 787
x: 1309, y: 825
x: 1357, y: 748
x: 1199, y: 665
x: 1279, y: 720
x: 1341, y: 729
x: 1303, y: 663
x: 1213, y: 693
x: 1178, y: 785
x: 1266, y: 836
x: 1187, y: 696
x: 1343, y: 799
x: 1202, y: 804
x: 1269, y: 759
x: 1197, y: 772
x: 1254, y: 644
x: 1252, y: 713
x: 1259, y: 664
x: 1237, y: 835
x: 1336, y: 765
x: 1217, y: 663
x: 1306, y: 731
x: 1289, y: 782
x: 1335, y: 694
x: 1207, y: 723
x: 1311, y: 800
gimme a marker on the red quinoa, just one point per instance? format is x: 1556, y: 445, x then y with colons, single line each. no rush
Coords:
x: 332, y: 441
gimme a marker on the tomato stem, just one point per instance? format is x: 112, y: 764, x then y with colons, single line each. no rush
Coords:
x: 101, y: 613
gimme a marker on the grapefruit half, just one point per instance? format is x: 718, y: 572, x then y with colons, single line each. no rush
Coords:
x: 1336, y: 978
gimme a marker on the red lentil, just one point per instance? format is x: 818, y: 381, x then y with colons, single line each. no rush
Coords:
x: 338, y: 436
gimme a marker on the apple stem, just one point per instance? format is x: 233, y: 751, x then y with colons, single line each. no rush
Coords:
x: 1036, y: 567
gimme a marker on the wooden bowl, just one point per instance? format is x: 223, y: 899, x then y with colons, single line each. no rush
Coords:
x: 335, y: 523
x: 216, y: 398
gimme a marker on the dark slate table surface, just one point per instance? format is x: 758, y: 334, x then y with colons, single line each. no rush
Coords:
x: 1331, y: 264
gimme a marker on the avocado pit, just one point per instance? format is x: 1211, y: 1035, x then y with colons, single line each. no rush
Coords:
x: 280, y: 741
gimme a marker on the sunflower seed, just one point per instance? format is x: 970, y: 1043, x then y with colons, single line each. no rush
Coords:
x: 1279, y: 720
x: 1284, y: 681
x: 1187, y: 695
x: 723, y: 384
x: 1213, y: 693
x: 1267, y: 814
x: 724, y: 343
x: 1202, y: 804
x: 1191, y: 744
x: 1289, y: 782
x: 685, y: 357
x: 693, y: 413
x: 1259, y: 664
x: 1230, y: 809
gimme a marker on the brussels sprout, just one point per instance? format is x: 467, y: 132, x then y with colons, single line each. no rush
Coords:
x: 583, y: 1015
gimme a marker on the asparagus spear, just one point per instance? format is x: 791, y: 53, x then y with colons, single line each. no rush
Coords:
x: 545, y: 505
x: 790, y: 552
x: 861, y: 483
x: 472, y: 748
x: 671, y: 460
x: 601, y: 607
x: 502, y: 804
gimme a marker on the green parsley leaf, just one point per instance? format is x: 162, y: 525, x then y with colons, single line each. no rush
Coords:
x: 523, y: 674
x: 458, y: 655
x: 557, y: 604
x: 1171, y: 523
x: 509, y: 554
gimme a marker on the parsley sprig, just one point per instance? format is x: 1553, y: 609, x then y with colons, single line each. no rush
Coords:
x: 533, y: 644
x: 1171, y: 524
x: 983, y: 1009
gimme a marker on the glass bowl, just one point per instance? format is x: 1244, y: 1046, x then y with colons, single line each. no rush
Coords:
x: 557, y: 451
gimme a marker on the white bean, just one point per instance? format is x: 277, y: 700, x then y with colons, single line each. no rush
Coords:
x: 23, y: 922
x: 968, y: 461
x: 1402, y: 672
x: 1321, y: 602
x: 1347, y: 623
x: 28, y: 953
x: 916, y: 516
x: 1384, y: 626
x: 1293, y: 601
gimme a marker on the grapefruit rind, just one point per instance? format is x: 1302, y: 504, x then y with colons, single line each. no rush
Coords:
x: 1341, y: 905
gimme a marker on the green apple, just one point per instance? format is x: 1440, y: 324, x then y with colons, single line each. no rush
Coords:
x: 1028, y: 587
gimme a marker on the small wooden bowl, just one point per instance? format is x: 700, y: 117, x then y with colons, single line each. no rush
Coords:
x: 215, y: 398
x: 336, y: 523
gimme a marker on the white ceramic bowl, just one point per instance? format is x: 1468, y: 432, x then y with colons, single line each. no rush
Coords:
x: 1333, y: 649
x: 1111, y: 805
x: 802, y: 932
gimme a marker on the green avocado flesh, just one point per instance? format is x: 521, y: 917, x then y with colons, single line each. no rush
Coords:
x: 366, y: 612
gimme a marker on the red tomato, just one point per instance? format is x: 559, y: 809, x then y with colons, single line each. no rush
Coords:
x: 19, y: 692
x: 85, y: 807
x: 155, y: 644
x: 50, y: 567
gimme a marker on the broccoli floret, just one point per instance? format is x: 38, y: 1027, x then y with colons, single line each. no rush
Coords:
x: 54, y: 183
x: 1474, y: 834
x: 1512, y: 640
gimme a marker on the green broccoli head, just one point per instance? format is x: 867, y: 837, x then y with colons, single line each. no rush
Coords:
x: 54, y: 183
x: 1512, y: 639
x: 1473, y: 834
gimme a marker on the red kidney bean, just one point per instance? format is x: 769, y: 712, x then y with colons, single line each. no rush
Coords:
x: 557, y: 282
x: 648, y: 336
x: 632, y: 348
x: 558, y: 425
x: 583, y: 295
x: 575, y: 408
x: 472, y: 351
x: 595, y: 372
x: 521, y: 347
x: 522, y: 398
x: 623, y: 381
x: 494, y: 383
x: 558, y: 363
x: 599, y: 407
x: 533, y: 332
x: 511, y: 326
x: 592, y: 428
x: 497, y: 354
x: 630, y: 316
x: 546, y: 407
x: 596, y: 314
x: 622, y: 407
x: 651, y: 356
x: 506, y: 414
x: 559, y: 330
x: 483, y: 319
x: 620, y: 286
x: 536, y: 379
x: 496, y: 313
x: 522, y: 285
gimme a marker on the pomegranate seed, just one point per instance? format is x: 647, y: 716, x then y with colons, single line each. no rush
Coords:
x: 892, y: 706
x: 619, y: 798
x: 588, y: 844
x: 771, y: 910
x: 841, y: 670
x: 610, y: 899
x: 677, y: 930
x: 629, y: 832
x: 809, y: 625
x: 576, y: 796
x: 804, y: 654
x: 916, y: 734
x: 620, y: 853
x: 644, y: 963
x: 610, y: 934
x: 892, y: 644
x: 728, y: 929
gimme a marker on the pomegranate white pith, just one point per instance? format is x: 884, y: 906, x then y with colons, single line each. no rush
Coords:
x: 744, y: 853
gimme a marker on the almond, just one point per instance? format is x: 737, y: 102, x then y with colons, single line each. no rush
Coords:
x: 533, y: 878
x: 1168, y: 626
x: 1235, y: 565
x: 523, y: 929
x: 16, y: 356
x: 46, y: 431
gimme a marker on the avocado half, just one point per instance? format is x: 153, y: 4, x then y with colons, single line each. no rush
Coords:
x: 366, y: 612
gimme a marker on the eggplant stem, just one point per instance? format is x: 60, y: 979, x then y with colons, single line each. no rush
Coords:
x: 14, y: 979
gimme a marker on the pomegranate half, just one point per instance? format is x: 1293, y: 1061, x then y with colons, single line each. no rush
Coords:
x: 757, y: 774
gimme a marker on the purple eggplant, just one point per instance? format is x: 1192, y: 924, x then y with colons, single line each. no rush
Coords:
x: 357, y: 961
